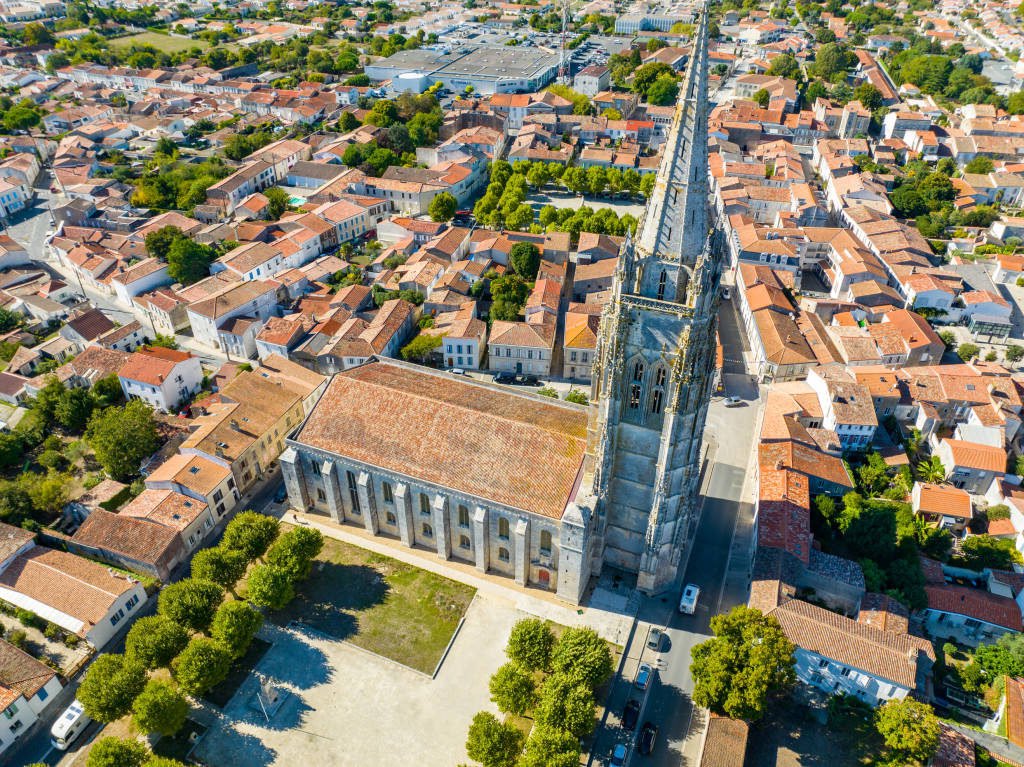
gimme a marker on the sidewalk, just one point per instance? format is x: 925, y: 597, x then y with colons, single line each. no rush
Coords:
x: 612, y: 626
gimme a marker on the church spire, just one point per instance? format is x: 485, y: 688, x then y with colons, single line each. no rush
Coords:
x: 675, y: 225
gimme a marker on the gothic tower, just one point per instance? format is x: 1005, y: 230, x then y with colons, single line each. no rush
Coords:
x: 655, y: 359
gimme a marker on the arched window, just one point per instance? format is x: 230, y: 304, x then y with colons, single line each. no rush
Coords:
x: 389, y: 494
x: 424, y: 504
x: 392, y: 519
x: 428, y: 531
x: 503, y: 528
x: 661, y: 285
x: 636, y: 385
x: 464, y: 542
x: 545, y: 542
x: 658, y: 390
x: 503, y: 554
x: 353, y: 491
x: 463, y: 516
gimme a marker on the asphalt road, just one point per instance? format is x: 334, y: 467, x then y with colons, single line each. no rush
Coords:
x: 719, y: 561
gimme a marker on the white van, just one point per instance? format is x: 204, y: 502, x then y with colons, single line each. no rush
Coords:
x: 70, y: 725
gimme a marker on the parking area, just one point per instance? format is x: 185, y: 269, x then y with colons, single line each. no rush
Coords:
x: 346, y: 706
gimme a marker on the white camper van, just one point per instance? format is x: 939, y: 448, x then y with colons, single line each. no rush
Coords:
x: 70, y: 725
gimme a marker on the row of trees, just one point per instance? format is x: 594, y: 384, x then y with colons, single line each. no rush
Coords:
x: 552, y: 679
x: 196, y: 633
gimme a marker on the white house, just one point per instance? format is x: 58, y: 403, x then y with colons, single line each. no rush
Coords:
x: 255, y: 298
x: 27, y: 687
x: 141, y: 278
x: 161, y: 377
x: 80, y: 596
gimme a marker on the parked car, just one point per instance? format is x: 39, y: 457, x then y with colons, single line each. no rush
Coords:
x: 648, y: 735
x: 457, y: 372
x: 618, y: 756
x: 654, y: 638
x: 504, y: 378
x: 69, y: 726
x: 733, y: 402
x: 281, y: 494
x: 726, y: 295
x: 688, y: 601
x: 528, y: 380
x: 643, y: 676
x: 630, y: 715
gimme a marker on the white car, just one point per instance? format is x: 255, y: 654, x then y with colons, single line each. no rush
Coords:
x: 733, y: 401
x: 726, y: 294
x: 688, y: 602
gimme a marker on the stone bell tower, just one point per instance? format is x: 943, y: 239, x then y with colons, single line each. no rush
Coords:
x: 655, y: 359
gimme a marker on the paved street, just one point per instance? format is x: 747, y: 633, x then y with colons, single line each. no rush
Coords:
x: 719, y: 564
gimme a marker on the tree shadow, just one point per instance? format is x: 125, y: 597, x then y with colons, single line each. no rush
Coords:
x: 229, y: 746
x: 295, y: 663
x: 328, y: 599
x: 291, y: 714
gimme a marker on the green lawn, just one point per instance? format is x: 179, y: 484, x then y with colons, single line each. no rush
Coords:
x: 379, y: 604
x: 165, y: 43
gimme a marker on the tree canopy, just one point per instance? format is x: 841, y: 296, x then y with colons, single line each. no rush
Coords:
x: 110, y: 686
x: 122, y: 437
x: 190, y: 602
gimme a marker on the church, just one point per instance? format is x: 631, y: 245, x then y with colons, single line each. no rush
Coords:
x: 543, y: 491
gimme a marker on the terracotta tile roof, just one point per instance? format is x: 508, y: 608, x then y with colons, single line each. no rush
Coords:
x: 165, y: 507
x: 725, y: 744
x: 72, y: 584
x: 93, y: 364
x: 883, y: 612
x: 977, y: 456
x: 11, y: 539
x: 20, y: 674
x: 944, y: 499
x: 581, y: 330
x: 805, y: 460
x: 955, y: 749
x: 975, y: 603
x: 884, y: 654
x: 401, y: 418
x: 784, y: 511
x: 152, y: 366
x: 126, y: 536
x: 1015, y: 710
x: 91, y: 324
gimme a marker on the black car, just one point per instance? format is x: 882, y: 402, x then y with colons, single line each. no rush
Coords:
x: 648, y: 734
x: 529, y: 380
x: 281, y: 494
x: 630, y: 714
x: 504, y: 378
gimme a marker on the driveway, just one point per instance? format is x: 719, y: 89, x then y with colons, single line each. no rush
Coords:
x: 350, y: 707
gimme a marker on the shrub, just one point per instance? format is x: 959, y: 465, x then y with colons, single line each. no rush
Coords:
x: 27, y: 618
x: 18, y: 638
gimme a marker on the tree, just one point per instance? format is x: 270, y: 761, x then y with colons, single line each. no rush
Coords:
x: 190, y: 602
x: 189, y: 261
x: 110, y: 686
x: 277, y: 202
x: 219, y: 565
x: 493, y: 743
x: 550, y: 747
x: 931, y: 470
x: 1014, y: 353
x: 107, y: 391
x: 443, y: 207
x: 525, y: 259
x: 509, y: 294
x: 967, y: 351
x: 117, y: 752
x: 663, y: 91
x: 74, y: 408
x: 530, y: 644
x: 421, y: 347
x: 907, y: 201
x: 566, y: 703
x: 582, y: 656
x: 203, y: 664
x: 785, y: 65
x: 159, y: 708
x: 980, y: 552
x: 831, y: 62
x: 122, y: 437
x: 295, y: 551
x: 869, y: 96
x: 235, y: 625
x: 512, y: 689
x: 251, y: 533
x: 910, y: 728
x: 270, y: 586
x: 947, y: 338
x: 35, y: 33
x: 154, y: 640
x: 48, y: 493
x: 159, y: 241
x: 980, y: 164
x: 748, y: 659
x: 577, y: 396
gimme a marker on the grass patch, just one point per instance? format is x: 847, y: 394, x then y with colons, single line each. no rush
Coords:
x: 180, y: 744
x: 225, y: 691
x: 165, y: 43
x: 380, y: 604
x: 361, y: 260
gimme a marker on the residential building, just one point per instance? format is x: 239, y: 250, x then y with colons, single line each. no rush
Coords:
x: 163, y: 378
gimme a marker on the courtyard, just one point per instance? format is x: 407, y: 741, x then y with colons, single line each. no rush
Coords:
x: 379, y: 604
x: 563, y: 199
x: 344, y: 706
